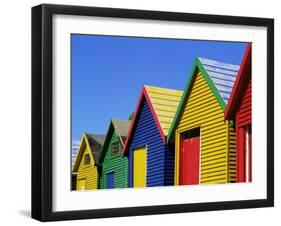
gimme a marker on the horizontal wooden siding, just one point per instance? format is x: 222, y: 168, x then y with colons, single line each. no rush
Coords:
x: 147, y: 134
x: 244, y: 114
x: 115, y: 164
x: 232, y: 154
x: 203, y: 110
x: 88, y: 172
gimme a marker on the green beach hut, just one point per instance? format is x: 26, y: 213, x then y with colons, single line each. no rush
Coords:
x: 113, y: 169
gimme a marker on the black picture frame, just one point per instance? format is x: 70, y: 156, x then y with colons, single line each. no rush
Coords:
x: 42, y: 111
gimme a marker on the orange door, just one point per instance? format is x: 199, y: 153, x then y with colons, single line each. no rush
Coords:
x: 190, y: 161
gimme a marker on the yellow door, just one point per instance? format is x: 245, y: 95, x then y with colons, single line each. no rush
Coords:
x: 81, y: 185
x: 140, y: 167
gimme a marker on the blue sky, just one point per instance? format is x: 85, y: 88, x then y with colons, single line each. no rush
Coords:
x: 108, y: 73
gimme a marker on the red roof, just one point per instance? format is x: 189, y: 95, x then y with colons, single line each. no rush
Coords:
x: 240, y: 84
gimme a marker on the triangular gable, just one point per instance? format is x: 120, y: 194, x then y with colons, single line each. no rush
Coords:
x: 143, y: 95
x: 121, y: 127
x: 162, y: 103
x: 96, y: 142
x: 220, y: 78
x: 84, y: 142
x: 244, y: 75
x: 165, y: 104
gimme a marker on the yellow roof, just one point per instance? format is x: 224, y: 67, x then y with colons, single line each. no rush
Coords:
x: 165, y: 103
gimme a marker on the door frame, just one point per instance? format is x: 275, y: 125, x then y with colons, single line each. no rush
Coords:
x: 248, y: 153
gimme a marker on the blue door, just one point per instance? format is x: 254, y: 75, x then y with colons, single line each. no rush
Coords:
x: 110, y: 180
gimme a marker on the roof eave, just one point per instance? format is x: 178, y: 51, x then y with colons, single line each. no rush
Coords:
x: 155, y: 115
x: 119, y: 135
x: 105, y: 144
x: 129, y: 135
x: 196, y: 65
x: 144, y: 94
x: 76, y: 163
x: 232, y: 103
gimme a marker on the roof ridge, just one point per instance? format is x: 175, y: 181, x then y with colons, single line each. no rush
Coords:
x: 120, y: 120
x: 245, y: 64
x: 120, y: 139
x: 160, y: 87
x: 217, y: 61
x: 223, y: 89
x: 94, y: 134
x: 198, y: 64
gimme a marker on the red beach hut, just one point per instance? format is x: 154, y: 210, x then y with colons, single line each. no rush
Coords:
x: 239, y: 109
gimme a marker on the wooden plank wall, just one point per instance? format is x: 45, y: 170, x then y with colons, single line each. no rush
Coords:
x: 203, y: 110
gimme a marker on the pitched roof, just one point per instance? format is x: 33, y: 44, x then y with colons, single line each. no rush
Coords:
x: 244, y: 75
x: 94, y: 142
x: 219, y: 76
x: 121, y: 127
x: 223, y: 75
x: 163, y: 104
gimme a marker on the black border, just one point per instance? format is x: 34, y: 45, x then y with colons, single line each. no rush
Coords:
x: 42, y: 111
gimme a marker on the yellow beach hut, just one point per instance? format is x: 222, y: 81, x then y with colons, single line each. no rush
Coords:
x: 205, y: 145
x: 85, y: 166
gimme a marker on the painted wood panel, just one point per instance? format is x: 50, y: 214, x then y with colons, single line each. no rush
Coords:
x: 244, y: 119
x: 114, y: 164
x: 81, y: 184
x: 241, y: 151
x: 239, y: 108
x: 244, y: 114
x: 146, y: 133
x: 169, y: 164
x: 244, y: 153
x: 165, y: 103
x: 88, y: 173
x: 150, y: 125
x: 189, y: 161
x: 232, y: 155
x: 139, y: 167
x: 202, y: 110
x: 110, y: 178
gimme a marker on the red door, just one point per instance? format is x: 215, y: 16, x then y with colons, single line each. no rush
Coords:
x: 244, y: 154
x: 190, y: 161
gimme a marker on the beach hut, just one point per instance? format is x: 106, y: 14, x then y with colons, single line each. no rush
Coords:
x: 114, y: 169
x: 151, y: 161
x: 239, y: 109
x: 205, y: 145
x: 85, y: 166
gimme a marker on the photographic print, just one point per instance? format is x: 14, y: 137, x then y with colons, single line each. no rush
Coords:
x: 138, y: 112
x: 152, y: 112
